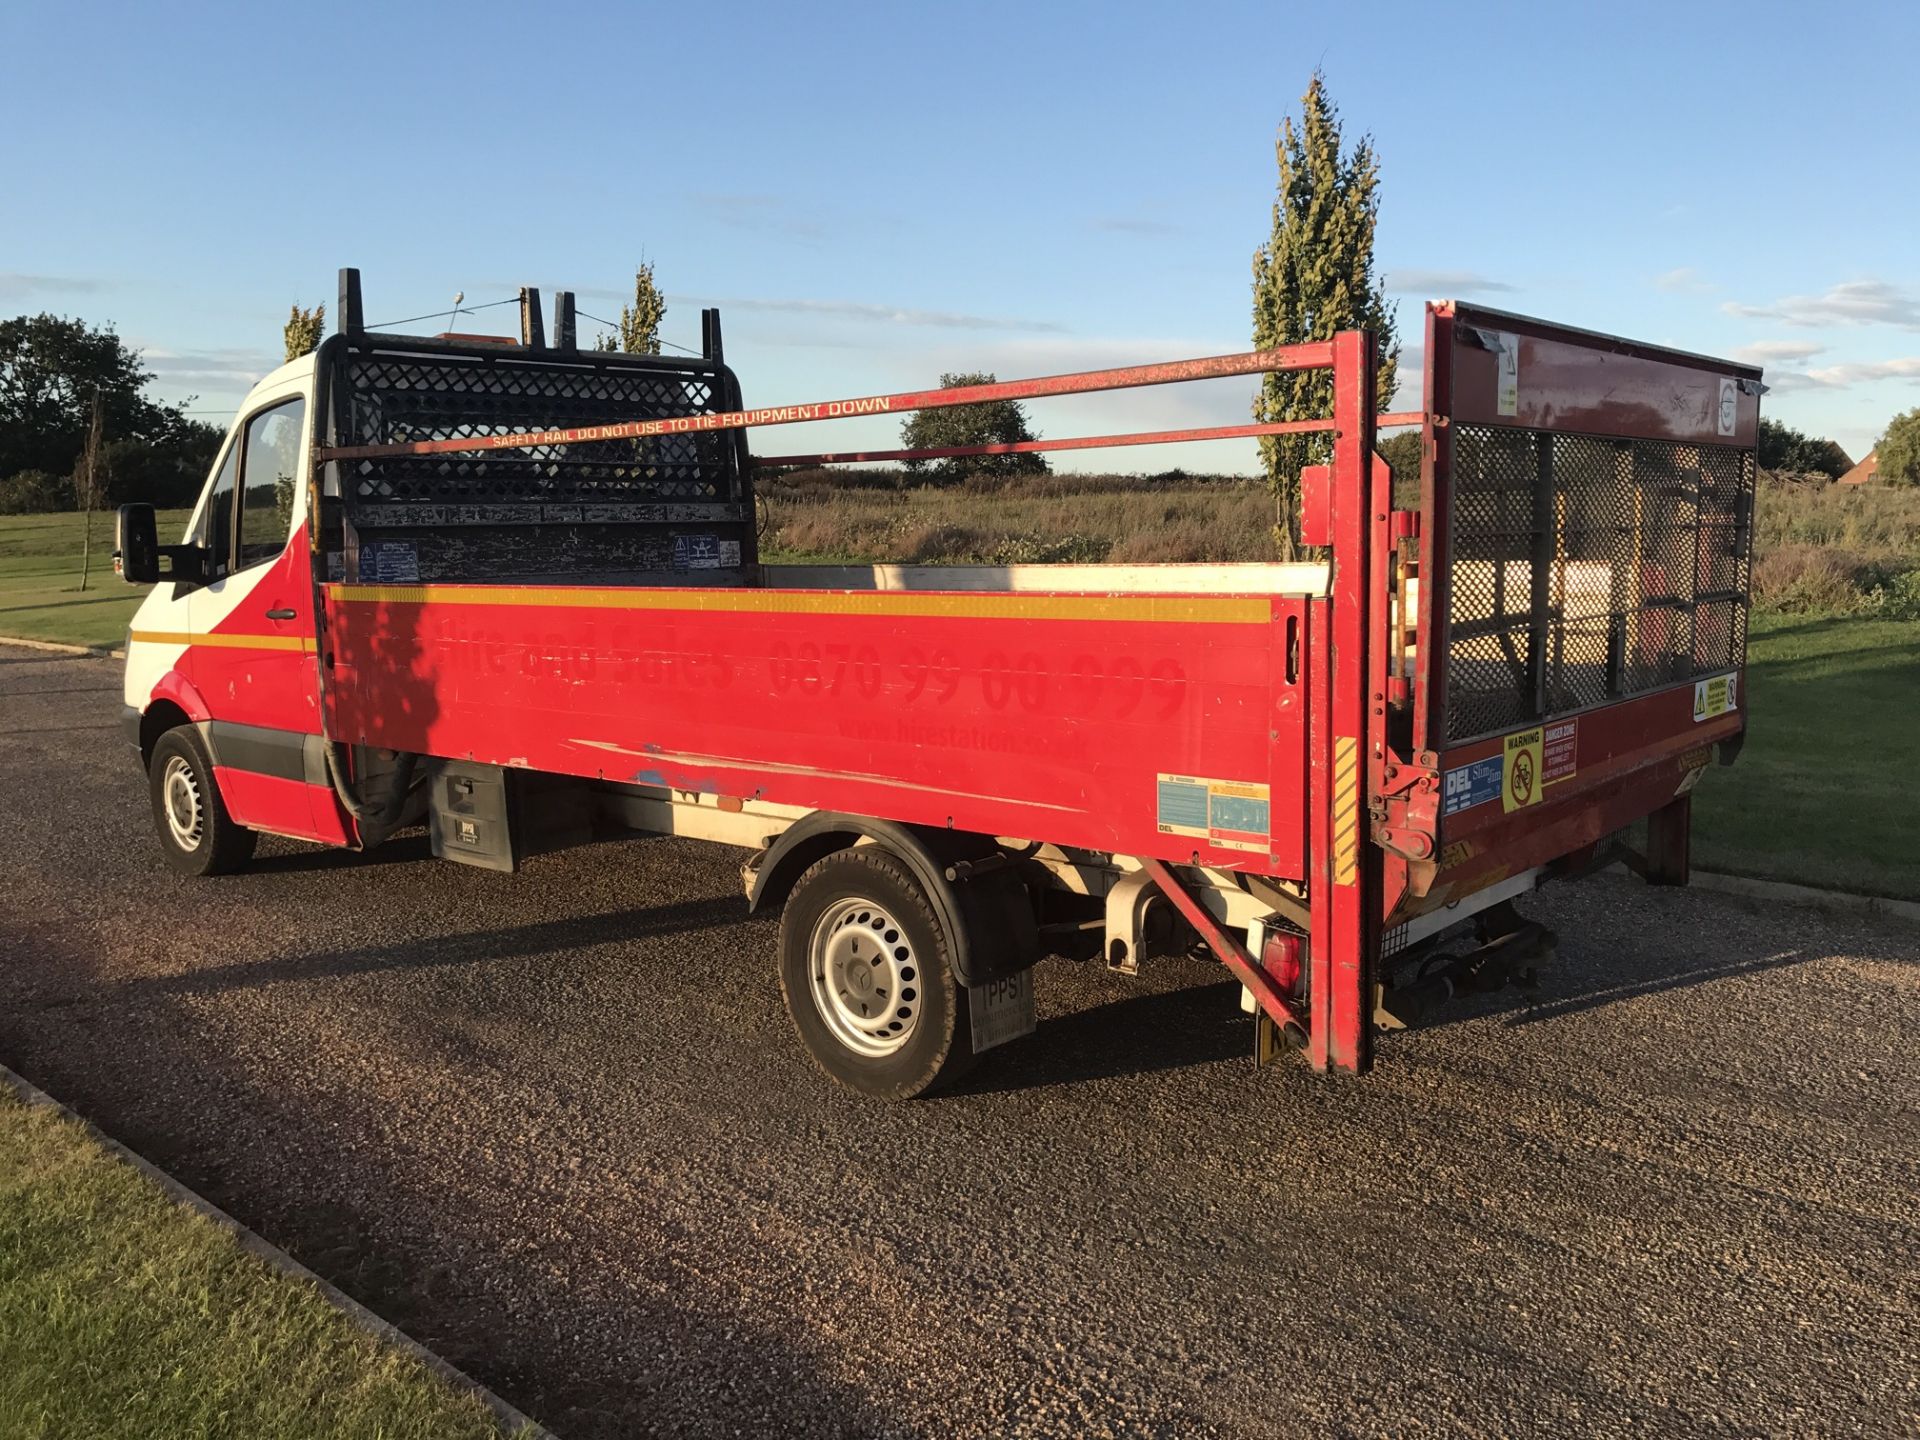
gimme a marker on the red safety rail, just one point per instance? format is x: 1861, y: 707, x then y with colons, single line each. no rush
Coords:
x: 1316, y: 355
x: 1343, y: 732
x: 1341, y: 658
x: 1385, y: 834
x: 1079, y: 442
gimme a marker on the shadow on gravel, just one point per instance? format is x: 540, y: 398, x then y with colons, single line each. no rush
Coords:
x: 404, y: 849
x: 1605, y: 988
x: 471, y: 948
x: 1198, y: 1025
x: 1572, y: 986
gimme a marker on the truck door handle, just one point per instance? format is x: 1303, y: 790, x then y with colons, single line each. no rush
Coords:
x: 282, y: 614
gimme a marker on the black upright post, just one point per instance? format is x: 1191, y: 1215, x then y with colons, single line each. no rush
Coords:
x: 348, y: 316
x: 532, y: 333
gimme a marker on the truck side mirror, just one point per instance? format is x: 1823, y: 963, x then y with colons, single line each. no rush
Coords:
x: 136, y: 545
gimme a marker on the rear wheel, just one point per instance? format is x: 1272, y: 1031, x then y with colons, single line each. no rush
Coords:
x: 864, y: 968
x: 196, y: 832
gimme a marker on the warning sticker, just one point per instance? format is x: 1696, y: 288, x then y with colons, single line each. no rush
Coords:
x: 1471, y: 785
x: 1694, y: 765
x: 704, y: 552
x: 1560, y: 751
x: 1715, y: 697
x: 1507, y: 383
x: 389, y: 562
x: 1521, y: 766
x: 1233, y: 814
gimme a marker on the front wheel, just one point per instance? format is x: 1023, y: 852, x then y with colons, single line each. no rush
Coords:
x: 864, y: 969
x: 196, y: 832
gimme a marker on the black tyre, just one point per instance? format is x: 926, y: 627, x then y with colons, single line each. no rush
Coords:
x: 864, y: 968
x: 197, y: 834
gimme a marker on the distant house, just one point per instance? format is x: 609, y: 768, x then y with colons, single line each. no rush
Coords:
x: 1863, y: 472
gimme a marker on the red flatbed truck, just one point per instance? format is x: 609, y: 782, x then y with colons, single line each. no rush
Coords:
x: 512, y: 591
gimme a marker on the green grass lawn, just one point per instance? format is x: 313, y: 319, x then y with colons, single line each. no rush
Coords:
x: 1815, y: 796
x: 40, y: 594
x: 125, y: 1314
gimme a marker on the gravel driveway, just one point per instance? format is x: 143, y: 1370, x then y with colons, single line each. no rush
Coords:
x: 556, y: 1127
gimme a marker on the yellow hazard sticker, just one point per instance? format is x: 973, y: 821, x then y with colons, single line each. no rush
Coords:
x: 1346, y: 810
x: 1715, y: 696
x: 1522, y: 769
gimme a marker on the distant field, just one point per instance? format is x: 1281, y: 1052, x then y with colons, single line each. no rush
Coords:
x: 40, y: 594
x: 1084, y: 519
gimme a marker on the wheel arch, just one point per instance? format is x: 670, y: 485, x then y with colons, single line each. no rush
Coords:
x: 159, y: 717
x: 987, y: 915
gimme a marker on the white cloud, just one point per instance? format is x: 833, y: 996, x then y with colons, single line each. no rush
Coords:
x: 884, y: 314
x: 1447, y: 283
x: 232, y: 369
x: 1762, y: 351
x: 1684, y: 278
x: 1839, y: 377
x: 1855, y: 302
x: 14, y: 283
x: 1409, y: 380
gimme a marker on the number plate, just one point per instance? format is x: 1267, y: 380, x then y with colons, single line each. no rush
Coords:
x: 1002, y: 1010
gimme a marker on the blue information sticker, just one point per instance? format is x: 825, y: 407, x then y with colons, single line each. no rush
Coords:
x: 1471, y: 785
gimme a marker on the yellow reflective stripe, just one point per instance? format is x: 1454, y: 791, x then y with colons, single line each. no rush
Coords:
x: 1178, y: 609
x: 1346, y: 810
x: 224, y: 642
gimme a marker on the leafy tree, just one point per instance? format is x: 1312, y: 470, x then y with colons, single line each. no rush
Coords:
x: 996, y: 422
x: 166, y: 475
x: 1781, y: 447
x: 50, y: 367
x: 1401, y: 451
x: 640, y: 321
x: 34, y: 492
x: 1899, y: 450
x: 305, y: 330
x: 1313, y: 277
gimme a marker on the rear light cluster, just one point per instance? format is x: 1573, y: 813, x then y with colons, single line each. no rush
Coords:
x: 1283, y: 955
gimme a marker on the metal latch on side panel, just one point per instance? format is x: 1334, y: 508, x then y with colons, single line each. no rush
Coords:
x: 1409, y: 813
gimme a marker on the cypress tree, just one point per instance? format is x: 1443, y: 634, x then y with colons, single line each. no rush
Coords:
x: 1313, y: 277
x: 304, y: 331
x: 640, y: 321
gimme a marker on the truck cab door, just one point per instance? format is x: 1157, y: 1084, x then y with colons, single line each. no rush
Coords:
x: 250, y: 628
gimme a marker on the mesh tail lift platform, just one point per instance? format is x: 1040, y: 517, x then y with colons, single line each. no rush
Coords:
x: 1597, y: 521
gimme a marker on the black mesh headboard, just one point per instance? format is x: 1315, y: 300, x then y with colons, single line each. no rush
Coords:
x: 668, y: 509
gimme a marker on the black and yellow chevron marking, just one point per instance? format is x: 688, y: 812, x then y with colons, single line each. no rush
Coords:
x: 1346, y: 810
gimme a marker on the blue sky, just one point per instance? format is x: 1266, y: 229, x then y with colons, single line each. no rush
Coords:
x: 874, y: 194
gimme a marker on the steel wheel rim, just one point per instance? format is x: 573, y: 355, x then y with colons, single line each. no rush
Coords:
x: 864, y: 977
x: 180, y: 799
